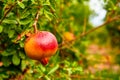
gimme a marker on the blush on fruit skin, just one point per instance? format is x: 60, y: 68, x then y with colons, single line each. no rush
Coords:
x: 41, y: 45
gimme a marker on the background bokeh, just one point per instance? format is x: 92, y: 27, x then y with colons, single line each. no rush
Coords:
x: 89, y: 49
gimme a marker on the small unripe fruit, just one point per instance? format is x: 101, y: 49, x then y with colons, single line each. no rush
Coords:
x: 41, y: 46
x: 68, y: 36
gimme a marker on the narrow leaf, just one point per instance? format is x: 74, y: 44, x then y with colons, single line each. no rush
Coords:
x: 53, y: 69
x: 21, y: 4
x: 8, y: 21
x: 25, y: 21
x: 47, y: 78
x: 25, y: 15
x: 1, y: 28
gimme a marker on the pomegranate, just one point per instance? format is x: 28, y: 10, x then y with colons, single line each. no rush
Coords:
x: 41, y: 46
x: 68, y: 36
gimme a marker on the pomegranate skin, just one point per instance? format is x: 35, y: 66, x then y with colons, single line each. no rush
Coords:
x: 41, y: 45
x: 69, y: 36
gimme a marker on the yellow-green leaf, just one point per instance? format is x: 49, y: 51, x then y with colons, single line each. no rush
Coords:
x: 1, y: 28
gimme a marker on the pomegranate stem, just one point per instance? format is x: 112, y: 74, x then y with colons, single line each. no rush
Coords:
x: 35, y: 22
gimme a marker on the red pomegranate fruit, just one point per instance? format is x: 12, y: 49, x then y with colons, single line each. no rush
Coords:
x: 41, y: 46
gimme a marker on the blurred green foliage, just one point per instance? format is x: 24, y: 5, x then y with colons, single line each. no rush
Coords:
x: 57, y: 16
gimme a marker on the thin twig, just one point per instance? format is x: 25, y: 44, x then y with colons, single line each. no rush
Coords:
x: 84, y: 26
x: 12, y: 6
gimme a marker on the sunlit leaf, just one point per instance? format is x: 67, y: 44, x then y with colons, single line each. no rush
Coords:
x: 21, y: 4
x: 8, y: 21
x: 53, y: 69
x: 46, y: 77
x: 21, y: 44
x: 33, y: 1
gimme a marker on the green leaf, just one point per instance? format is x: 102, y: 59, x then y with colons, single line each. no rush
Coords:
x: 78, y: 69
x: 47, y: 78
x: 53, y: 69
x: 8, y: 52
x: 33, y: 1
x: 22, y: 55
x: 48, y: 15
x: 25, y: 21
x: 46, y: 2
x: 21, y: 44
x: 16, y: 59
x: 11, y: 33
x: 21, y: 4
x: 55, y: 59
x: 6, y: 61
x: 8, y: 21
x: 53, y: 3
x: 23, y: 64
x: 25, y: 15
x: 3, y: 75
x: 59, y: 37
x: 42, y: 68
x: 1, y: 28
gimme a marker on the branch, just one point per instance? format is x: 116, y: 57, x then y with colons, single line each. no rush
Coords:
x: 7, y: 12
x: 37, y: 17
x: 109, y: 20
x: 106, y: 22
